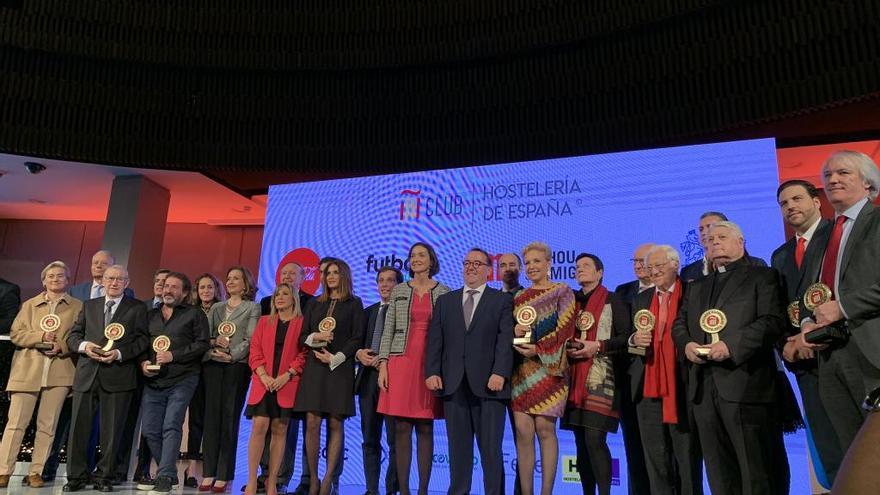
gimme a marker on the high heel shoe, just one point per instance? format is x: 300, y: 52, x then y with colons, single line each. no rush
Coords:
x: 206, y: 487
x: 220, y: 489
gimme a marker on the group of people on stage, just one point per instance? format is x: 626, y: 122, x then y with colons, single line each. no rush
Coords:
x: 687, y: 360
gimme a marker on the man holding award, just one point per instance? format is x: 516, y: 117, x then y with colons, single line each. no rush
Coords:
x: 180, y: 337
x: 111, y: 334
x: 727, y: 325
x: 839, y: 314
x: 672, y: 454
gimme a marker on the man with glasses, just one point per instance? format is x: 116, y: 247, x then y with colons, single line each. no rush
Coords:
x: 106, y: 375
x: 672, y: 453
x: 630, y: 290
x: 469, y: 360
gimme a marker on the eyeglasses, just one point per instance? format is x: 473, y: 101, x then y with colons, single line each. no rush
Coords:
x: 475, y: 264
x: 637, y: 261
x: 115, y: 279
x: 658, y: 266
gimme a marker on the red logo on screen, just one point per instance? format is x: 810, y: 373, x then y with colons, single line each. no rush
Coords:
x: 410, y: 205
x: 308, y: 260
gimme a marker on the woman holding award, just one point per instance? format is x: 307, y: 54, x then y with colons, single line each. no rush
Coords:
x: 41, y: 370
x: 602, y: 323
x: 277, y: 361
x: 402, y: 390
x: 226, y: 376
x: 333, y: 328
x: 544, y: 313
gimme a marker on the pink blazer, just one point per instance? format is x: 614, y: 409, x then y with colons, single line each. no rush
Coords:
x: 262, y: 353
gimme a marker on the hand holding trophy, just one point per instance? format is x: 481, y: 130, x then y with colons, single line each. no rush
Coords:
x: 225, y: 331
x: 49, y: 324
x: 712, y: 321
x: 525, y: 316
x: 160, y: 344
x: 643, y: 322
x: 112, y: 333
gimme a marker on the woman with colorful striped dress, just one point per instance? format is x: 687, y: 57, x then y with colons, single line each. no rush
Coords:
x: 540, y: 382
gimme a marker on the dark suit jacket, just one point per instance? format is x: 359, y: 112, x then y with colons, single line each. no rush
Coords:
x: 479, y: 351
x: 628, y: 291
x: 794, y: 283
x: 118, y: 376
x: 266, y: 308
x: 83, y: 291
x: 694, y: 271
x: 10, y: 301
x: 859, y: 281
x: 752, y: 301
x: 370, y: 314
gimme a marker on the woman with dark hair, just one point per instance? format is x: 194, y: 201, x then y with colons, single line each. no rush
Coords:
x: 403, y: 393
x: 226, y: 375
x: 206, y: 292
x: 277, y: 361
x: 333, y: 327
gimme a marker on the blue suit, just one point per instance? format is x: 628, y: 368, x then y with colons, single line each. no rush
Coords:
x: 83, y: 291
x: 465, y: 358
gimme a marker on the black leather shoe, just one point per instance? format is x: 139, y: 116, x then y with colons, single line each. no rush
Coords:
x: 74, y: 486
x: 104, y: 486
x: 301, y: 490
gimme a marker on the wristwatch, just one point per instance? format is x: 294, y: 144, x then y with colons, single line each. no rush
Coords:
x: 872, y: 401
x: 290, y: 374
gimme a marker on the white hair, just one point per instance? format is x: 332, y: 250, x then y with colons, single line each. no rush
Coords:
x: 730, y: 225
x: 669, y: 251
x: 54, y: 264
x: 863, y: 163
x: 121, y: 269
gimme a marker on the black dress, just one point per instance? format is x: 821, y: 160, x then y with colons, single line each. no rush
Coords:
x: 320, y: 389
x: 268, y: 407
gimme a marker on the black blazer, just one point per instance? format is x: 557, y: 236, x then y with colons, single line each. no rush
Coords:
x: 628, y: 291
x: 118, y: 376
x: 480, y: 350
x: 794, y: 283
x: 752, y: 301
x: 370, y: 314
x: 694, y: 271
x: 10, y: 301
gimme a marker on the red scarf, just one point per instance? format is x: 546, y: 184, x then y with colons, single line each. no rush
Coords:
x: 595, y: 305
x: 660, y: 365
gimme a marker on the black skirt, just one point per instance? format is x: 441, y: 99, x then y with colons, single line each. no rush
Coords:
x: 268, y: 408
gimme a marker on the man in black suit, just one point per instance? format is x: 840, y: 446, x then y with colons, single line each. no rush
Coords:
x: 672, y: 454
x: 468, y: 362
x: 291, y: 274
x: 10, y: 301
x: 509, y: 266
x: 637, y: 473
x: 847, y: 264
x: 104, y: 380
x: 366, y: 386
x: 732, y: 375
x: 799, y: 202
x: 702, y: 267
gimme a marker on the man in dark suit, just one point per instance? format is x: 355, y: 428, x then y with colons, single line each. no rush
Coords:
x: 509, y: 266
x: 637, y: 473
x: 366, y: 386
x: 702, y: 267
x: 10, y: 301
x: 291, y: 274
x: 799, y: 202
x: 468, y: 362
x: 95, y: 287
x: 847, y: 264
x: 104, y: 380
x: 732, y: 375
x: 672, y: 454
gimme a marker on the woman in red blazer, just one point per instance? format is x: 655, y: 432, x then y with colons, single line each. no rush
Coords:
x: 276, y: 360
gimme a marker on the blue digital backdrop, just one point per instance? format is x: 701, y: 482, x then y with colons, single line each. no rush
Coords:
x: 604, y: 204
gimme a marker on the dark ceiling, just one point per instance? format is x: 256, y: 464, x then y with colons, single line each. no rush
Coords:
x: 260, y: 92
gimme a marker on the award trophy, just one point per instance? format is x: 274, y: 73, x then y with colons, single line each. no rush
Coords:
x: 794, y: 314
x: 325, y: 326
x: 48, y: 323
x: 225, y: 329
x: 112, y: 332
x: 815, y: 296
x: 644, y: 322
x: 712, y: 321
x: 525, y: 315
x: 584, y: 322
x: 160, y: 344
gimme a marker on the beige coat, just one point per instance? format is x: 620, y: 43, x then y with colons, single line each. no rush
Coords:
x: 31, y: 369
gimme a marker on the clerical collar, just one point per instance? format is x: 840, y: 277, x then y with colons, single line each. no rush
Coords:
x: 733, y: 265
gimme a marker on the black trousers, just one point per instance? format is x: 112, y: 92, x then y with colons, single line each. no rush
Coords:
x: 737, y: 441
x: 637, y: 473
x: 225, y: 392
x: 843, y: 372
x: 196, y: 423
x: 371, y: 427
x: 672, y: 455
x: 113, y: 407
x: 821, y: 428
x: 123, y: 455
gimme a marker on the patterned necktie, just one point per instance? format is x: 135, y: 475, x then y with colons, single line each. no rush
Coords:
x: 799, y: 251
x: 376, y: 339
x: 108, y: 314
x: 829, y: 264
x: 468, y: 307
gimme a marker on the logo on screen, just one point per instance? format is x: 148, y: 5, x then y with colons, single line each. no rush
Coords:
x: 308, y: 260
x: 691, y: 248
x: 410, y: 204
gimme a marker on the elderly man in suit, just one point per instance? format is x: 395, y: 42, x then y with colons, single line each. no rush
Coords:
x: 106, y: 375
x: 726, y: 327
x: 800, y: 207
x: 849, y: 368
x: 95, y: 287
x: 468, y: 362
x: 703, y: 266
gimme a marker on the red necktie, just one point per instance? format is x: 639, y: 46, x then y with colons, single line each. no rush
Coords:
x: 829, y: 264
x: 663, y: 300
x: 799, y: 251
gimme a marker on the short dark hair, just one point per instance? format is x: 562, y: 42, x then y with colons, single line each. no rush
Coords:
x: 484, y: 253
x: 807, y: 185
x: 160, y: 271
x: 596, y: 260
x: 432, y: 257
x: 250, y: 288
x: 518, y: 259
x: 398, y: 275
x: 718, y: 214
x: 326, y: 259
x: 187, y: 286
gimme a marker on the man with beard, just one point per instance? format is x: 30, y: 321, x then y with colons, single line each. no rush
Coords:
x: 179, y: 336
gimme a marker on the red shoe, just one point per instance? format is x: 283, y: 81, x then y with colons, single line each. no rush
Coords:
x: 220, y: 489
x: 206, y: 488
